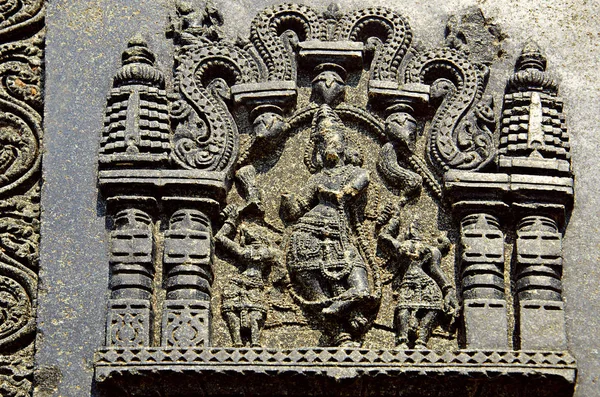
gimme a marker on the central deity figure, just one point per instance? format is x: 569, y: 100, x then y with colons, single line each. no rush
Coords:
x: 328, y: 273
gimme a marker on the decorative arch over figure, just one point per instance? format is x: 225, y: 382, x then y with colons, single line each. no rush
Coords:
x: 328, y: 197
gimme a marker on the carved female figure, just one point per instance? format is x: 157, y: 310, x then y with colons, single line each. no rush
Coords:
x: 421, y: 289
x: 326, y: 268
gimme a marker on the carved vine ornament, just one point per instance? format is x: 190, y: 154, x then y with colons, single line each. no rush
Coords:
x: 21, y: 108
x: 306, y: 181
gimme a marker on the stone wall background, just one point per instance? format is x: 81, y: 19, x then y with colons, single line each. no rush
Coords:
x: 84, y: 43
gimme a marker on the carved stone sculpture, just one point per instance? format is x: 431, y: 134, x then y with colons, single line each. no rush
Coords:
x: 307, y: 147
x: 244, y: 305
x: 422, y: 291
x: 325, y: 265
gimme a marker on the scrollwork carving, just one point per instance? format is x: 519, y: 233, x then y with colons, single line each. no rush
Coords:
x: 20, y: 102
x: 19, y: 227
x: 17, y: 15
x: 17, y: 370
x: 17, y: 288
x: 276, y: 30
x: 385, y: 32
x: 461, y: 133
x: 21, y: 107
x: 205, y: 134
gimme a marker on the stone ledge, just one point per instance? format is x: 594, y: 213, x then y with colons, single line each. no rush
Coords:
x: 335, y: 363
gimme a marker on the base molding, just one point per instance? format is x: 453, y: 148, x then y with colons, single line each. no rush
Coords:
x: 327, y: 371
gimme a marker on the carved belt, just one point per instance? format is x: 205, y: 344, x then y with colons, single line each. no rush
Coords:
x: 336, y: 270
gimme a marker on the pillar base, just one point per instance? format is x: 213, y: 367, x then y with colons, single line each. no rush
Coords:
x: 186, y: 323
x: 542, y: 325
x: 486, y: 325
x: 128, y: 323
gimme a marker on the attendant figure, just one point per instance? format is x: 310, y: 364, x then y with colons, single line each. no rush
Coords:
x: 244, y: 305
x: 422, y: 292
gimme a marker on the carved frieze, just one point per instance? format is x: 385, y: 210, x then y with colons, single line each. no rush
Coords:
x: 325, y: 194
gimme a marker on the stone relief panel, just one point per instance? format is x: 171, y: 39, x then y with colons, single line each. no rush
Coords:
x: 21, y: 107
x: 326, y: 194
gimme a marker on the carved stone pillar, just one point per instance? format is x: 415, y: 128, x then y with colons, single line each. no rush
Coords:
x: 482, y: 277
x: 132, y: 270
x: 188, y: 254
x: 539, y: 290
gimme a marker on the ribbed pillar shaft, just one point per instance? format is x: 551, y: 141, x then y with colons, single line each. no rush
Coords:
x: 132, y: 270
x: 539, y: 289
x: 482, y: 280
x: 188, y: 255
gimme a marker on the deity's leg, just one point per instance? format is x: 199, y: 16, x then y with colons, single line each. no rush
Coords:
x: 425, y: 327
x: 358, y: 282
x: 234, y: 325
x: 309, y: 285
x: 402, y: 323
x: 357, y: 289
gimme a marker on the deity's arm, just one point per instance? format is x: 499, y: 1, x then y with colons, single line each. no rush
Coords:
x: 435, y: 270
x: 357, y: 183
x: 224, y: 241
x: 294, y: 205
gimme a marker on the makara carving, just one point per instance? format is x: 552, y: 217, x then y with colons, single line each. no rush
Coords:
x: 326, y: 185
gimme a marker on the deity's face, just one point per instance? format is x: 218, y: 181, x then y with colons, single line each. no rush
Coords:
x: 415, y: 249
x: 414, y: 232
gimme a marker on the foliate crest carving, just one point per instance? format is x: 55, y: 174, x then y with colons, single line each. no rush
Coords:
x: 21, y: 106
x: 300, y: 187
x: 277, y: 30
x: 205, y: 134
x: 384, y: 32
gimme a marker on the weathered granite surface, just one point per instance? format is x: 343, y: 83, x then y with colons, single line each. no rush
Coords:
x: 83, y: 47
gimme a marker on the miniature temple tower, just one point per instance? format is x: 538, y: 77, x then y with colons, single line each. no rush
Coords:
x: 534, y: 151
x: 136, y: 125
